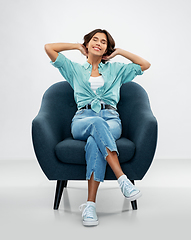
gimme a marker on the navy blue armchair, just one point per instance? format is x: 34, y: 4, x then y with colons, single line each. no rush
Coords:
x: 62, y: 158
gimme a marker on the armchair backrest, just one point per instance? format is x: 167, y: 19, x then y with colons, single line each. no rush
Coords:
x: 133, y: 102
x: 59, y: 105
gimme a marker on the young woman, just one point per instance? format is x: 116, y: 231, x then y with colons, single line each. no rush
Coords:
x: 96, y: 86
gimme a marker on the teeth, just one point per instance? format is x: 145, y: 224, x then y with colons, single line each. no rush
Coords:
x: 96, y: 48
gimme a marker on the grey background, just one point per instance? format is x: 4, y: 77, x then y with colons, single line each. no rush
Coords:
x: 159, y: 31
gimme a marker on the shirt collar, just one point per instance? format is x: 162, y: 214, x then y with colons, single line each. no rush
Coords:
x: 86, y: 65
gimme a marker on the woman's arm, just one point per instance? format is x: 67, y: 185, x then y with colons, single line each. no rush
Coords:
x: 52, y: 49
x: 132, y: 57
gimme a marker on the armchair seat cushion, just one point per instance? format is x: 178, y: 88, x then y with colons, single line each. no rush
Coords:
x: 72, y: 151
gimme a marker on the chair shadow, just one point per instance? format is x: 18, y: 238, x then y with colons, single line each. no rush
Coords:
x: 109, y: 200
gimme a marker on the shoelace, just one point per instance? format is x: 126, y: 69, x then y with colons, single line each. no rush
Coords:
x: 124, y: 185
x: 88, y: 211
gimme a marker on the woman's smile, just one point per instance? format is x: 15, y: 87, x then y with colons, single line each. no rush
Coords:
x: 97, y: 48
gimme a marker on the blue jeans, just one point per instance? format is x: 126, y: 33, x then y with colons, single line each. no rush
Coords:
x: 100, y: 131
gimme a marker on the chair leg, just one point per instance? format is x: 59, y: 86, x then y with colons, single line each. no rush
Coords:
x: 134, y: 203
x: 61, y: 184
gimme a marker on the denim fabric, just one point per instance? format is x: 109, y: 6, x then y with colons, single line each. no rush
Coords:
x: 100, y: 130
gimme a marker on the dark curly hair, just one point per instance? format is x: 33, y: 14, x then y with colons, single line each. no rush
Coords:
x: 110, y: 41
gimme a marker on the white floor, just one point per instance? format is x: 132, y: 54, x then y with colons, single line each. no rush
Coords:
x: 26, y: 205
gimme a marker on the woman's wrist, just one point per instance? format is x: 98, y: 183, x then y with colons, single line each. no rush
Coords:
x: 82, y: 49
x: 78, y: 46
x: 118, y: 51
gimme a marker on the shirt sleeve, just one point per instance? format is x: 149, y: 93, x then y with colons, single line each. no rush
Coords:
x: 65, y: 66
x: 129, y: 72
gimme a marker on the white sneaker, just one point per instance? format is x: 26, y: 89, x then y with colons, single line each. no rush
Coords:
x: 128, y: 189
x: 89, y: 215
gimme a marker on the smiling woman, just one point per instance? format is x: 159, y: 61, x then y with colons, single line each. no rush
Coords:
x: 96, y: 86
x: 105, y: 38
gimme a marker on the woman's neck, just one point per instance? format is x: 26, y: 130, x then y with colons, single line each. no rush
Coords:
x: 94, y: 61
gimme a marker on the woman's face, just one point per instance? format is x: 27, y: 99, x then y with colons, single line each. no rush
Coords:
x: 98, y: 44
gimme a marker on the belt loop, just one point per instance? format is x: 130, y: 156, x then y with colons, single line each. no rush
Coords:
x: 86, y: 106
x: 103, y: 104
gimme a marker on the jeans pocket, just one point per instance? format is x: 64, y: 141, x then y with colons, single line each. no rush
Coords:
x: 113, y: 112
x: 79, y: 112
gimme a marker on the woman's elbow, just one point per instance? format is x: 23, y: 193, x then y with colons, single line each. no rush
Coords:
x: 145, y: 66
x: 50, y: 52
x: 47, y: 47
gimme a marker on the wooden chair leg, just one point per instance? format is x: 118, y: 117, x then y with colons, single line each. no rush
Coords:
x: 134, y: 203
x: 61, y: 184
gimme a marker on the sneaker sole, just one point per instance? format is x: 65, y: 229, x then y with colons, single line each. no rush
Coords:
x: 90, y: 224
x: 135, y: 197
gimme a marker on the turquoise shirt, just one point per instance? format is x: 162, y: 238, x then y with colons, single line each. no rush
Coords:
x: 114, y: 75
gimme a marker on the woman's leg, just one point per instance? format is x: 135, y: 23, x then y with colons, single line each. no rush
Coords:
x: 112, y: 118
x: 127, y: 188
x: 96, y: 166
x: 93, y: 185
x: 113, y: 162
x: 101, y: 133
x: 92, y: 189
x: 95, y: 161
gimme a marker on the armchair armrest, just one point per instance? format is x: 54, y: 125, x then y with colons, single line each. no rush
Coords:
x: 52, y: 125
x: 45, y: 136
x: 138, y: 125
x: 143, y: 132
